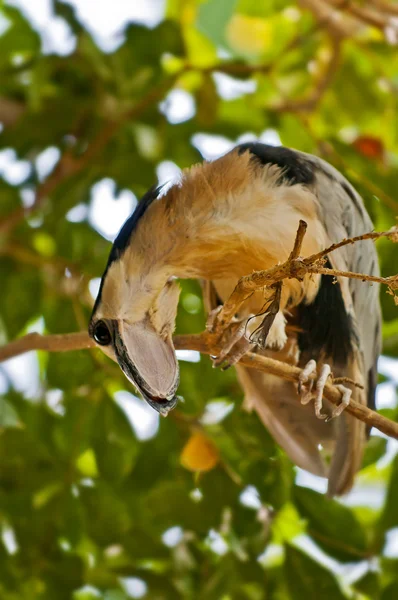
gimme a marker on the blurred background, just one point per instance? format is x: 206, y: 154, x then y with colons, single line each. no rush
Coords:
x: 99, y: 99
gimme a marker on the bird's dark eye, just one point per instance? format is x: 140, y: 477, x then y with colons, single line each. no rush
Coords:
x: 101, y: 334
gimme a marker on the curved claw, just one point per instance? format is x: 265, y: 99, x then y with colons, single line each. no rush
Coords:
x: 232, y: 353
x: 345, y: 400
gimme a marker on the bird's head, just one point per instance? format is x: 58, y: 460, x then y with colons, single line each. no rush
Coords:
x: 134, y: 318
x: 139, y: 338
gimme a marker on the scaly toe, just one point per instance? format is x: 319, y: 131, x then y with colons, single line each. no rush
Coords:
x: 306, y: 395
x: 211, y: 318
x: 227, y: 359
x: 344, y: 402
x: 309, y: 368
x: 320, y: 386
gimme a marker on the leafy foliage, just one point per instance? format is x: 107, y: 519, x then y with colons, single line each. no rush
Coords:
x: 89, y: 509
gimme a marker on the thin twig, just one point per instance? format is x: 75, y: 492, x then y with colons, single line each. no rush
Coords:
x: 250, y: 283
x: 370, y: 16
x: 391, y: 282
x: 330, y: 18
x: 391, y: 234
x: 298, y: 242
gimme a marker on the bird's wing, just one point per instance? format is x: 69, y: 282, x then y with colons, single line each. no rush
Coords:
x: 343, y: 215
x: 351, y: 306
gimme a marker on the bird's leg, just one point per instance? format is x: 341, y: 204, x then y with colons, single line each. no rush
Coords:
x: 211, y: 317
x: 345, y: 400
x: 232, y: 353
x: 242, y: 334
x: 307, y: 394
x: 233, y: 340
x: 319, y: 387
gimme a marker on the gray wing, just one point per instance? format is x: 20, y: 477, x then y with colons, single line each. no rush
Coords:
x: 343, y: 214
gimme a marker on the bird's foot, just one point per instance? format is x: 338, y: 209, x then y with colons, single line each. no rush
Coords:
x: 233, y: 341
x: 211, y: 318
x: 231, y: 354
x: 306, y: 391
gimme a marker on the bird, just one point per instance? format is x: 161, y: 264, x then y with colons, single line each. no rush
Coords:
x: 222, y: 220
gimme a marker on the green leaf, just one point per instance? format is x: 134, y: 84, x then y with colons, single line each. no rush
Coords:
x: 390, y: 592
x: 213, y: 17
x: 8, y: 415
x: 389, y: 516
x: 333, y: 526
x: 21, y: 303
x: 69, y: 370
x: 369, y: 585
x: 307, y: 579
x: 375, y: 449
x: 17, y: 36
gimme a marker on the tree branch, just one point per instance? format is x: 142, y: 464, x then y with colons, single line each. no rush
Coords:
x: 391, y: 282
x: 368, y: 15
x: 202, y: 343
x: 69, y: 164
x: 387, y: 7
x: 50, y: 343
x: 344, y: 18
x: 330, y: 18
x: 391, y: 234
x: 298, y: 242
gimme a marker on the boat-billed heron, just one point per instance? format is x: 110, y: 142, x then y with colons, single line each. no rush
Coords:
x: 225, y: 219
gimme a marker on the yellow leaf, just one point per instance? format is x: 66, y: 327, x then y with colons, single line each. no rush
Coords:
x: 199, y: 453
x: 43, y: 496
x: 200, y: 50
x: 249, y: 35
x: 87, y: 464
x: 44, y: 244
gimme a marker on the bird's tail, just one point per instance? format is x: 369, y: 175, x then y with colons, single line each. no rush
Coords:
x: 350, y: 439
x: 306, y: 439
x: 294, y: 427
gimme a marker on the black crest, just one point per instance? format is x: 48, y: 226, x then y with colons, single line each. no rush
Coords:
x: 296, y: 168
